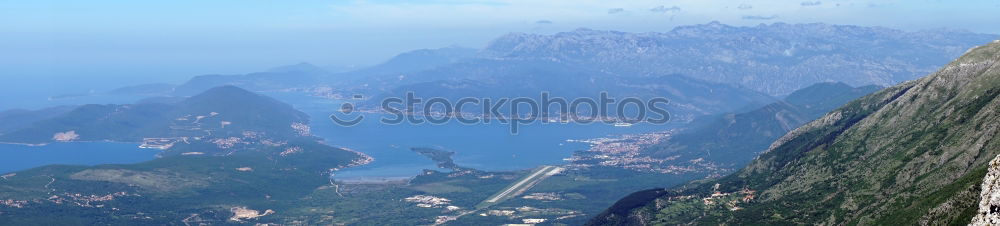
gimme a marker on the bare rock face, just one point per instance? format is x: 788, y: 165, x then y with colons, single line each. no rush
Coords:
x: 989, y: 199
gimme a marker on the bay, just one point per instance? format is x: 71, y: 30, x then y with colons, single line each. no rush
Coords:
x: 481, y: 146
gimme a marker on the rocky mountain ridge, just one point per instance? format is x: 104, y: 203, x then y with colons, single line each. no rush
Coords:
x: 772, y: 58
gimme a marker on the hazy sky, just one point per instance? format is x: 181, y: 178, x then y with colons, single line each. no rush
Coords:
x: 139, y: 41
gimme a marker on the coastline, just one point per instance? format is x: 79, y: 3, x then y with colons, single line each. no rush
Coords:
x: 139, y: 144
x: 376, y: 180
x: 25, y: 144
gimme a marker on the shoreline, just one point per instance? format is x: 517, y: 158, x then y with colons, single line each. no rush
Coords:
x: 375, y: 180
x: 138, y: 144
x: 25, y: 144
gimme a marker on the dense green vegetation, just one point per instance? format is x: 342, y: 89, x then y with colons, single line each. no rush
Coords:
x: 441, y: 157
x: 732, y: 140
x: 16, y: 119
x: 162, y: 191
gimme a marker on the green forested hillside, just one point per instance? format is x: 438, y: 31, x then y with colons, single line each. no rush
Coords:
x: 732, y: 140
x: 219, y: 112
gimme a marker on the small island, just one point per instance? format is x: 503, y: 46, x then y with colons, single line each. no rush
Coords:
x: 441, y: 157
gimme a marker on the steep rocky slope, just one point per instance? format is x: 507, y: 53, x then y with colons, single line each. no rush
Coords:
x: 989, y: 198
x: 915, y: 153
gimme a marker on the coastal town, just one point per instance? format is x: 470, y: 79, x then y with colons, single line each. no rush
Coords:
x: 625, y: 151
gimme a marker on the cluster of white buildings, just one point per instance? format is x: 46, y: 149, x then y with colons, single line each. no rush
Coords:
x: 427, y: 201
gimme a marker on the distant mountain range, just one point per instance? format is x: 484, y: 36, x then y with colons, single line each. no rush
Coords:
x: 915, y: 153
x: 773, y: 59
x: 412, y: 61
x: 497, y: 79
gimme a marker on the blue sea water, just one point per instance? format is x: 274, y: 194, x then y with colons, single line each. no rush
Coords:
x: 14, y: 157
x: 482, y: 146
